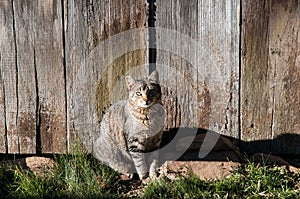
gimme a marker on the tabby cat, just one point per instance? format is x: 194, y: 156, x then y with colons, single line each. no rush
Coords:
x: 131, y: 130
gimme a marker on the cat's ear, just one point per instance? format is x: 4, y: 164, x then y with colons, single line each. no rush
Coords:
x: 129, y: 81
x: 154, y: 77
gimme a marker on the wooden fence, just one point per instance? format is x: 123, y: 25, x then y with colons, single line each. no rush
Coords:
x: 231, y: 66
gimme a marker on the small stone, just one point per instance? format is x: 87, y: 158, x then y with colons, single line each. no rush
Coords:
x: 267, y: 159
x: 40, y: 166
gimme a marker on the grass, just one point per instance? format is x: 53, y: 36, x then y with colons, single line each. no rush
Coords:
x: 75, y: 176
x: 250, y: 181
x: 80, y: 176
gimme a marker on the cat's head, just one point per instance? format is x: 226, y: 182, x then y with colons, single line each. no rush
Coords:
x: 143, y: 93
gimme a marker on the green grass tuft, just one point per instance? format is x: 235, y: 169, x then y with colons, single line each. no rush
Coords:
x: 75, y: 176
x: 81, y: 176
x: 185, y: 187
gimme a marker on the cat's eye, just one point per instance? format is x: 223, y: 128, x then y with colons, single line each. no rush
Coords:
x: 138, y: 94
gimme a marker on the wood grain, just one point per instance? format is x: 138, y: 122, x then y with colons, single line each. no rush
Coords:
x: 50, y: 76
x: 284, y: 59
x: 256, y: 76
x: 270, y: 75
x: 25, y: 78
x: 8, y: 79
x: 3, y: 136
x: 200, y: 69
x: 62, y: 63
x: 19, y: 106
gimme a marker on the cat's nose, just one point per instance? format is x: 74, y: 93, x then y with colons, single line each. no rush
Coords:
x: 145, y: 98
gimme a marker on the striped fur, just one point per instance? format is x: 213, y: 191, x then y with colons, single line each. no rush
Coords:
x: 131, y: 130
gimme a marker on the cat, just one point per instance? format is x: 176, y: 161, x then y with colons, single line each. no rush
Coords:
x: 131, y: 130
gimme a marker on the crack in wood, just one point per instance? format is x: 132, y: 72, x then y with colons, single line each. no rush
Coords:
x: 37, y: 110
x: 17, y: 71
x: 4, y: 107
x: 65, y: 75
x: 239, y: 92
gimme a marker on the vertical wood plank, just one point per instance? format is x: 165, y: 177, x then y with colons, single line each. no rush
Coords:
x: 200, y: 69
x: 49, y: 66
x: 94, y: 73
x: 270, y: 76
x: 25, y: 80
x: 8, y: 80
x: 284, y: 59
x: 256, y: 87
x: 14, y: 58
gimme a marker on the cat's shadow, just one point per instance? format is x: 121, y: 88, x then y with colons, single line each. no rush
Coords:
x: 189, y: 144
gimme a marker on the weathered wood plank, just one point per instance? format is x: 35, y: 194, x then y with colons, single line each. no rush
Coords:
x: 7, y: 64
x: 95, y: 69
x: 23, y: 13
x: 3, y: 132
x: 284, y: 59
x: 256, y: 93
x: 49, y: 66
x: 9, y: 74
x: 270, y: 75
x: 199, y: 63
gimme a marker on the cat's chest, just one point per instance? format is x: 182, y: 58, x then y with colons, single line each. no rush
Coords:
x: 147, y: 121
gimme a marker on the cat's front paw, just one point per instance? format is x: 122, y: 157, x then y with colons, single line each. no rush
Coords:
x: 153, y: 174
x: 150, y: 178
x: 143, y: 176
x: 146, y: 181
